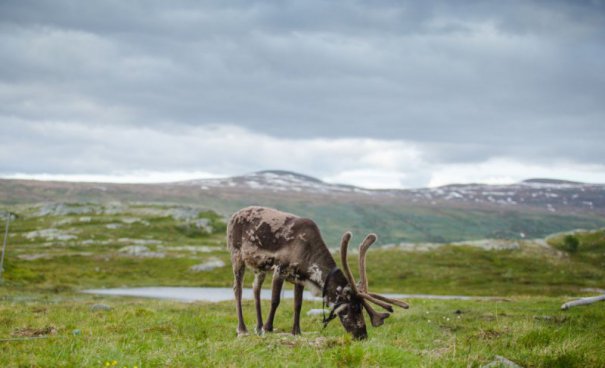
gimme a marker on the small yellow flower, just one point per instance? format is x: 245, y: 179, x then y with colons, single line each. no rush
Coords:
x: 107, y: 364
x: 114, y: 362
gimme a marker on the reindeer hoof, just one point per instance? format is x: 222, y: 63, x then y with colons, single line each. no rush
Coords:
x: 259, y: 331
x: 268, y: 328
x: 242, y: 333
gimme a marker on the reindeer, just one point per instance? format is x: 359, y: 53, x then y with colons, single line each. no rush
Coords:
x: 292, y: 248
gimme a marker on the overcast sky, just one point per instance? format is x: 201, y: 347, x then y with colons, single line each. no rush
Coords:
x: 377, y: 93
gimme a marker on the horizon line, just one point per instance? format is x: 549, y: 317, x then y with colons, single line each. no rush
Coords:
x: 157, y: 178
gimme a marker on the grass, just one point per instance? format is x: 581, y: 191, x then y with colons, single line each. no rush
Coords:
x: 40, y: 297
x: 447, y: 270
x: 411, y: 222
x: 148, y: 333
x: 93, y: 258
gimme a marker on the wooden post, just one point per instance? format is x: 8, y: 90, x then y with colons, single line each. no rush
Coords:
x: 8, y: 216
x: 583, y: 301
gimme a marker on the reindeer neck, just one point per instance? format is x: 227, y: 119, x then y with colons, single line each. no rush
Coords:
x: 335, y: 280
x: 319, y: 266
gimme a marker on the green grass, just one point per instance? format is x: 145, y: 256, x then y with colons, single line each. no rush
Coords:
x: 410, y: 222
x: 448, y: 270
x: 148, y: 333
x: 526, y: 326
x: 472, y: 271
x: 93, y: 258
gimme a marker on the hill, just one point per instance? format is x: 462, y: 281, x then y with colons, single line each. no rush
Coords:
x: 530, y: 209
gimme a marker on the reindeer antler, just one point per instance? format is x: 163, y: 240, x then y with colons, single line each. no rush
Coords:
x: 363, y: 248
x: 378, y: 299
x: 344, y: 244
x: 376, y: 317
x: 397, y: 302
x: 361, y: 290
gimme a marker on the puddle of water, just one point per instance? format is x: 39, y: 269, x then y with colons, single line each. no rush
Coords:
x: 217, y: 294
x: 192, y: 294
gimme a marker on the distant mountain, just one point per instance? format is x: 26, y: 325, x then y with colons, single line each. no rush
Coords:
x: 532, y: 208
x: 551, y: 181
x: 276, y: 181
x: 539, y: 194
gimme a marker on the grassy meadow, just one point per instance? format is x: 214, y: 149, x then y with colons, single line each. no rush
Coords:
x: 54, y: 251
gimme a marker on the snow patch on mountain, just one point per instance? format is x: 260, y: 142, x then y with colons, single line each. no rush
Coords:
x: 546, y: 194
x: 277, y: 181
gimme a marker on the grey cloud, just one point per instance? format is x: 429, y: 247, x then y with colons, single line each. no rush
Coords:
x: 471, y: 80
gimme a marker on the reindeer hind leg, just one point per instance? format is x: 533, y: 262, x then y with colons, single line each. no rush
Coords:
x: 276, y: 287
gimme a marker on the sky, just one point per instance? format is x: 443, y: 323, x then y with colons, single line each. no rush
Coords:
x: 379, y: 94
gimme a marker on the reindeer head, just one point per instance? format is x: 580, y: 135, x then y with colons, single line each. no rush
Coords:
x: 351, y: 298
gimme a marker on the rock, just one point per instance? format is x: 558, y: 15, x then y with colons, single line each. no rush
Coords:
x: 65, y: 221
x: 501, y: 362
x: 96, y: 242
x: 141, y: 251
x: 487, y: 244
x: 36, y: 256
x: 114, y: 208
x: 191, y: 248
x: 140, y: 241
x: 203, y: 224
x: 33, y: 257
x: 209, y: 265
x: 415, y: 247
x: 184, y: 213
x: 50, y: 234
x: 4, y: 214
x: 317, y: 312
x: 62, y: 209
x: 133, y: 220
x: 100, y: 307
x: 134, y: 249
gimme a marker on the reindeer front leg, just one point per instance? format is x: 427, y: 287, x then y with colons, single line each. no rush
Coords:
x: 239, y: 269
x: 259, y: 278
x: 277, y: 284
x: 298, y: 298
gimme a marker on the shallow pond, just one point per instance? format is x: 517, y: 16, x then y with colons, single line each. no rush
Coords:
x: 218, y: 294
